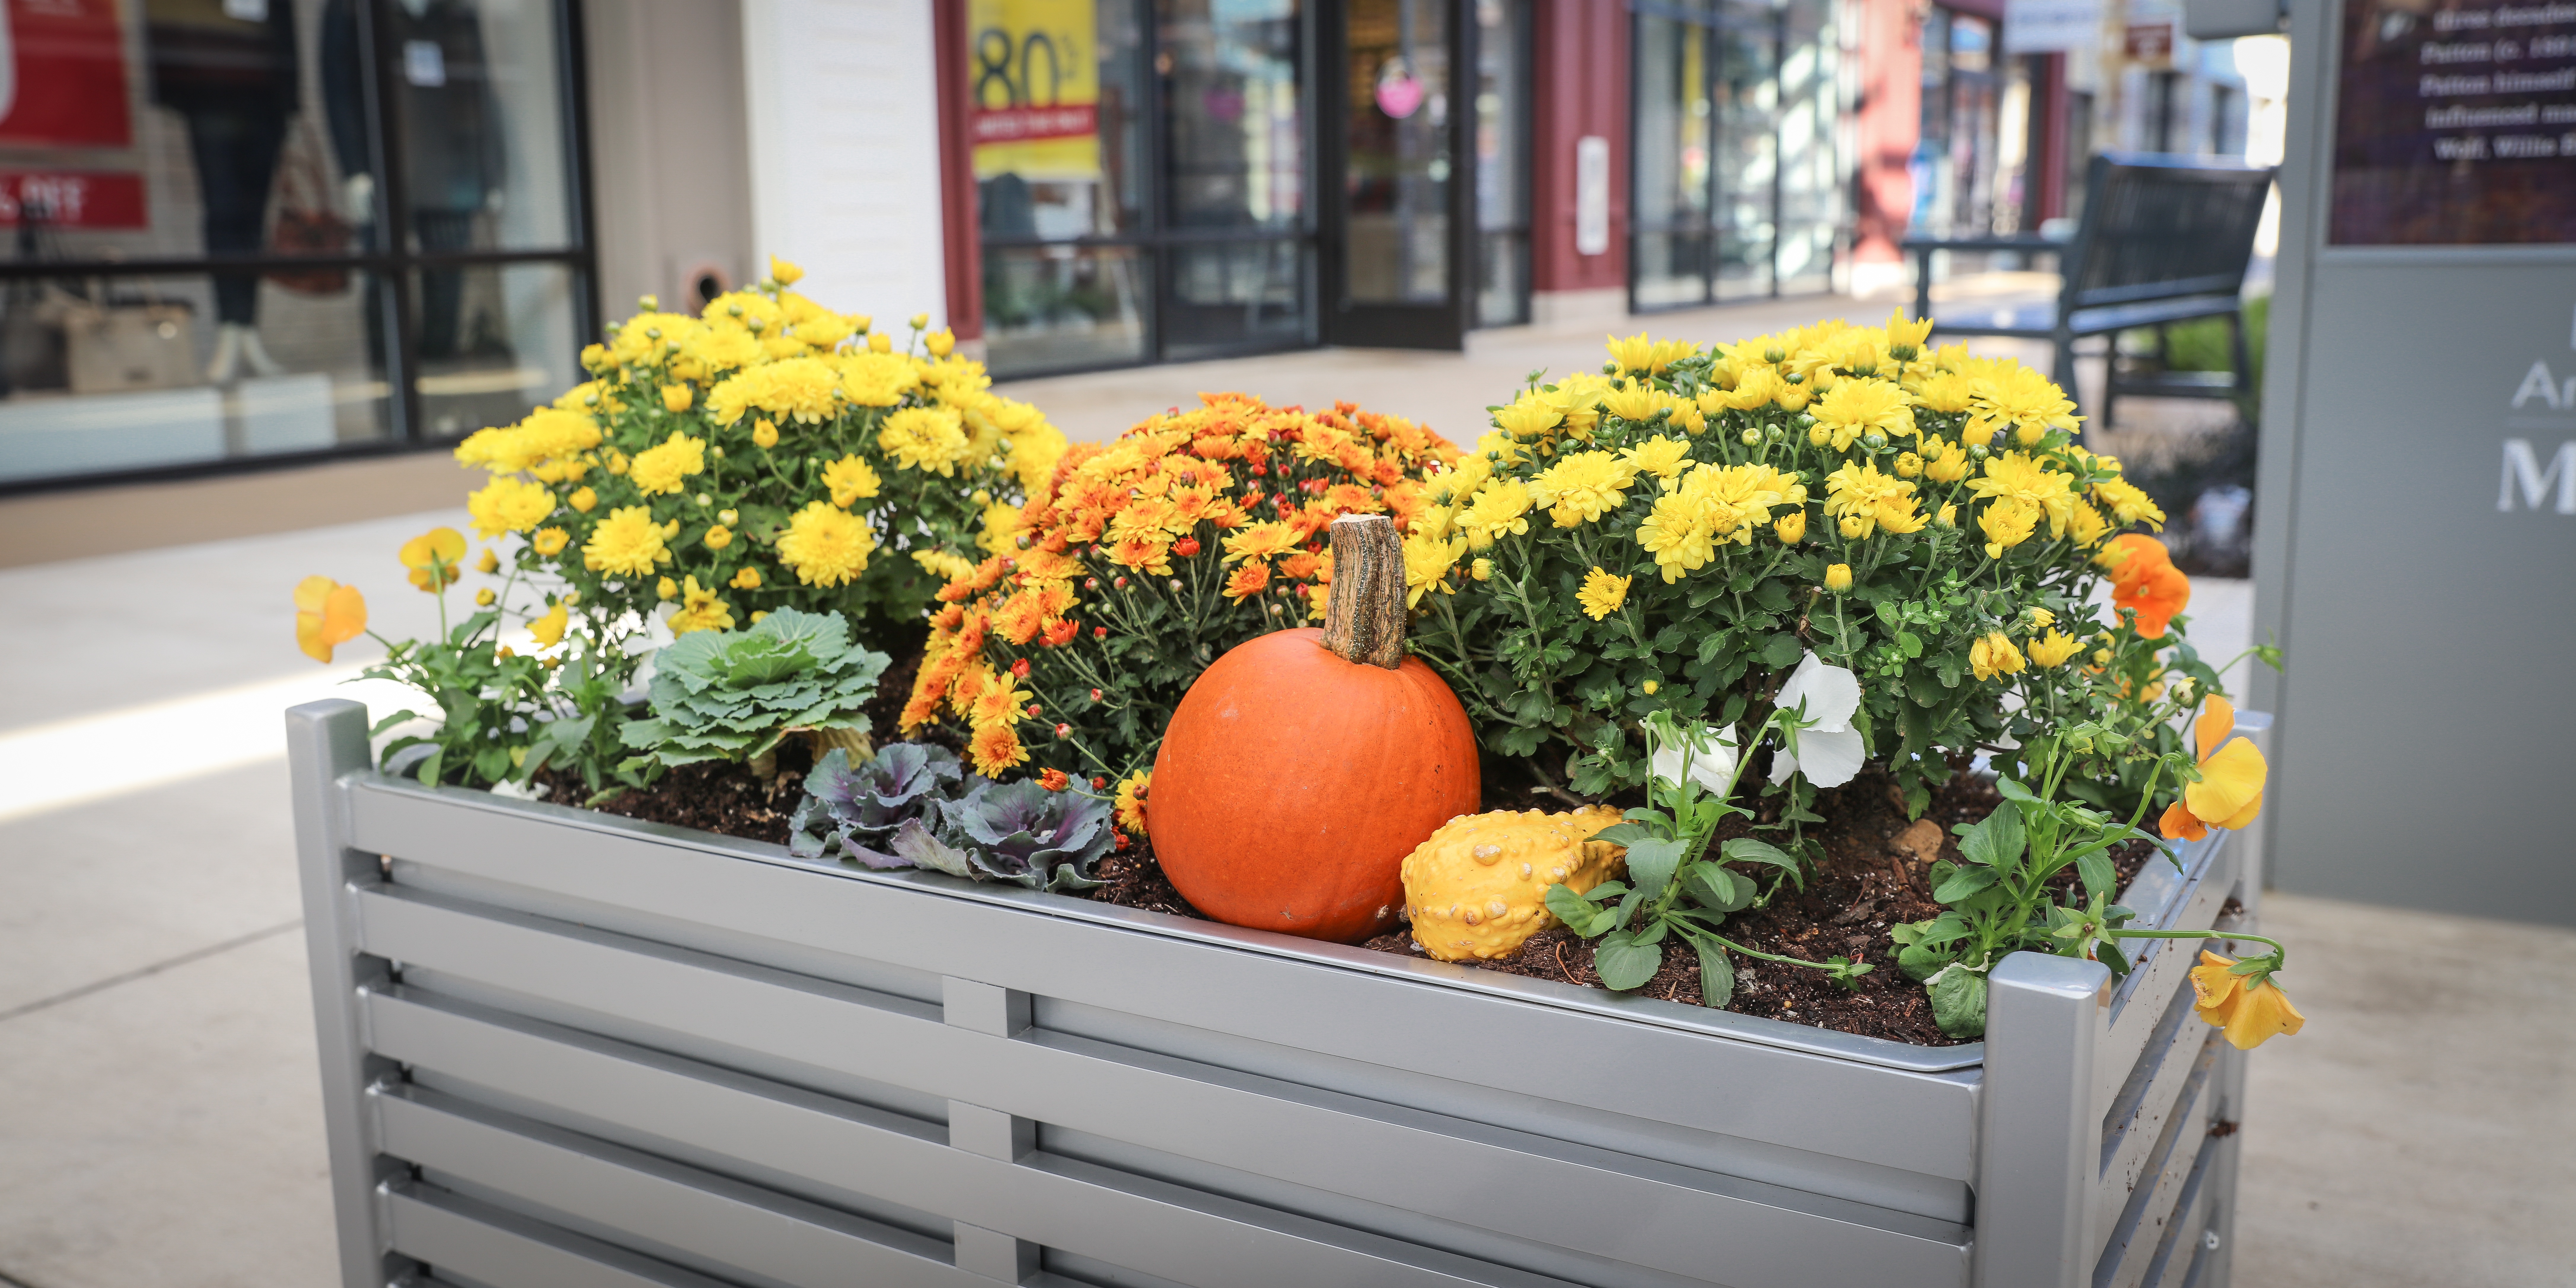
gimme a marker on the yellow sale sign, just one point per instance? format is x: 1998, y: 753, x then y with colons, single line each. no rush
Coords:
x: 1036, y: 79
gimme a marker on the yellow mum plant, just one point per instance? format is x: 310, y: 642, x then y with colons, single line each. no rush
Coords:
x: 766, y: 453
x: 1677, y: 530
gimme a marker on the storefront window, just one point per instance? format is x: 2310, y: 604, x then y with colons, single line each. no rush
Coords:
x: 1735, y: 173
x: 1956, y: 159
x: 1141, y: 178
x: 1502, y: 162
x: 252, y: 228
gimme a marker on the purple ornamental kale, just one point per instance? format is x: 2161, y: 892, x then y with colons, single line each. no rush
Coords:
x: 860, y: 809
x: 1018, y: 832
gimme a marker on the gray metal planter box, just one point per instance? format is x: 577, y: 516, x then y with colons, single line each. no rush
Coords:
x: 563, y: 1048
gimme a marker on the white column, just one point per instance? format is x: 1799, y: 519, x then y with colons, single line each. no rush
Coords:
x: 844, y: 113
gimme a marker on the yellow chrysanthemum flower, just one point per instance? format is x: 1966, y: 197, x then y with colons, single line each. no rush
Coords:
x: 1582, y: 487
x: 700, y: 610
x: 1792, y: 529
x: 1529, y: 416
x: 2007, y: 523
x: 2022, y: 478
x: 924, y: 438
x: 1838, y: 578
x: 549, y: 542
x: 549, y: 629
x: 1864, y: 499
x: 1131, y: 802
x: 943, y: 564
x: 2053, y: 649
x: 764, y: 435
x: 1602, y: 593
x: 2129, y: 503
x: 625, y: 544
x: 2015, y: 398
x: 1638, y: 403
x: 851, y: 480
x: 660, y: 471
x: 508, y: 505
x: 825, y: 545
x: 678, y: 397
x: 1427, y: 561
x: 1856, y: 407
x: 1676, y: 536
x: 1993, y: 654
x: 1664, y: 457
x: 718, y: 537
x: 800, y: 389
x: 1499, y: 509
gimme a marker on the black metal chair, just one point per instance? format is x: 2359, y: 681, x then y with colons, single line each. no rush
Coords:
x: 2164, y: 239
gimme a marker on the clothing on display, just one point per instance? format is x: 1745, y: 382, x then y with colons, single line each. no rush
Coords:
x: 229, y: 69
x: 454, y: 162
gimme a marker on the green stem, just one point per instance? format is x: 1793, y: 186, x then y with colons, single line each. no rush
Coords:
x: 2280, y: 952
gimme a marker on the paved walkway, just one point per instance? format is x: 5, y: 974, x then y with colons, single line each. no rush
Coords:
x: 159, y: 1108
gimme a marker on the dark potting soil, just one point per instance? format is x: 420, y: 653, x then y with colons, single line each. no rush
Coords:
x: 712, y: 796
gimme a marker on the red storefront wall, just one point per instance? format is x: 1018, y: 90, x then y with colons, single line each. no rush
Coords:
x: 1579, y: 69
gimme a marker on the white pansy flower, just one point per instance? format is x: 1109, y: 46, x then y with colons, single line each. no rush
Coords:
x: 1824, y: 746
x: 1713, y: 756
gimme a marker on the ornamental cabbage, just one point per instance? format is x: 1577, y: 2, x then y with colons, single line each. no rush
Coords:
x: 732, y: 695
x: 857, y: 810
x: 1018, y: 832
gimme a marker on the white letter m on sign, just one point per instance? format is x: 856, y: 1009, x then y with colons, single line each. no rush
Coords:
x: 2522, y: 465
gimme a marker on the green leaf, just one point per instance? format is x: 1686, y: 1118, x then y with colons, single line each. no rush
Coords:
x: 1919, y: 961
x: 1580, y: 915
x: 1716, y: 974
x: 1782, y: 650
x: 1625, y: 963
x: 1910, y: 643
x: 1714, y: 887
x: 1964, y: 881
x: 1959, y: 1003
x: 2095, y: 867
x: 2111, y: 956
x: 1651, y: 863
x: 1745, y: 849
x: 1996, y: 842
x: 1625, y: 833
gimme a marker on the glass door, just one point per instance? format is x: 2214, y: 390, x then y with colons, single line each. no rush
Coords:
x: 1398, y: 229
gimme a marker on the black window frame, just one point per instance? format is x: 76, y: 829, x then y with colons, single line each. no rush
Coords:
x: 395, y: 265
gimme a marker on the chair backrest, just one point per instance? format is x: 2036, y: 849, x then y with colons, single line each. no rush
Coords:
x: 2161, y: 227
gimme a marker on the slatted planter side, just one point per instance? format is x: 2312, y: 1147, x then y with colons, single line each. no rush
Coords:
x: 561, y: 1047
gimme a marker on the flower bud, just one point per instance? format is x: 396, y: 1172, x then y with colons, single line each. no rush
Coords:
x: 1838, y: 578
x: 704, y: 500
x: 1875, y: 440
x: 764, y: 434
x: 1095, y: 695
x: 728, y: 517
x: 1792, y: 529
x: 1649, y: 688
x: 484, y: 597
x: 1749, y: 437
x: 1120, y: 583
x: 1481, y: 570
x: 920, y: 321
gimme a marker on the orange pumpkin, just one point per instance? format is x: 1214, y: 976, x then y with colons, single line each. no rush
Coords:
x: 1304, y: 765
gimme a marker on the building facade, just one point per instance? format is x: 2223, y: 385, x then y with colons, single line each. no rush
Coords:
x: 245, y: 232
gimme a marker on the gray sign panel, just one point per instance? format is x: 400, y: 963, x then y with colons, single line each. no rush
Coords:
x: 2417, y: 531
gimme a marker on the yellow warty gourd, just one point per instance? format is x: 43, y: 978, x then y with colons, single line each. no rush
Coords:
x: 1478, y: 887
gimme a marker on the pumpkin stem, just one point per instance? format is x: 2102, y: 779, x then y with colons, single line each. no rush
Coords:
x: 1364, y: 620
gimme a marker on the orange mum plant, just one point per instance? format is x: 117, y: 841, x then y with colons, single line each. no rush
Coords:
x: 1141, y: 560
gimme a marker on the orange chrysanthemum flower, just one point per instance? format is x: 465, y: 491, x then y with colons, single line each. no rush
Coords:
x: 1247, y: 581
x: 996, y: 749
